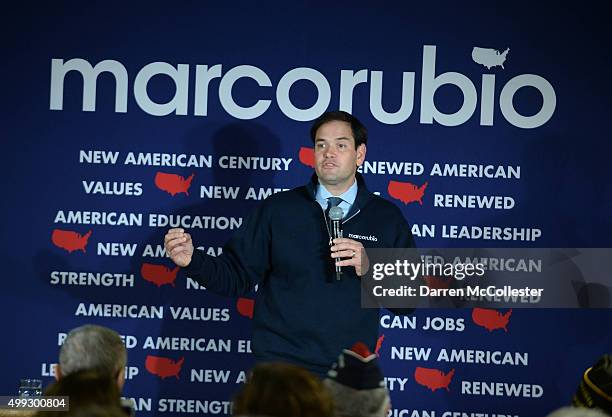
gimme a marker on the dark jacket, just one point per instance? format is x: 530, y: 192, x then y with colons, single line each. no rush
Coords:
x: 302, y: 313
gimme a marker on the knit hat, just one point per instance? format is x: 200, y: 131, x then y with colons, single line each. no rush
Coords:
x: 595, y: 390
x: 357, y: 384
x: 357, y: 368
x: 577, y: 412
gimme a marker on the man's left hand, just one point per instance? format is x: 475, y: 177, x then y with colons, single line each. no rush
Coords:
x: 352, y: 253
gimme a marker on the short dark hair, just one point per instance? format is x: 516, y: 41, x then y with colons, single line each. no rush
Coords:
x: 86, y: 389
x: 360, y: 133
x: 283, y: 390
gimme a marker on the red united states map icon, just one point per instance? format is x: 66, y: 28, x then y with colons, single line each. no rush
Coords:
x: 306, y: 156
x: 406, y: 192
x: 163, y: 367
x: 70, y: 240
x: 158, y: 274
x: 245, y: 307
x: 173, y: 184
x: 434, y: 379
x: 437, y: 283
x: 491, y: 319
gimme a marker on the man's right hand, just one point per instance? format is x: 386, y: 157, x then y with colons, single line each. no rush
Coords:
x: 179, y: 246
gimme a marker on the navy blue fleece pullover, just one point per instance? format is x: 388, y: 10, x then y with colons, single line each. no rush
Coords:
x: 302, y: 313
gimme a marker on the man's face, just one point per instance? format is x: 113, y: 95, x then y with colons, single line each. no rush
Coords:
x: 336, y: 159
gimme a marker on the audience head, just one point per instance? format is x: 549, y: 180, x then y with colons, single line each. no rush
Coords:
x: 595, y: 389
x: 93, y: 348
x: 99, y: 411
x: 282, y: 390
x: 357, y: 385
x: 86, y: 389
x: 577, y: 412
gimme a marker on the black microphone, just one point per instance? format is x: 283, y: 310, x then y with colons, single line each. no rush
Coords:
x: 335, y: 215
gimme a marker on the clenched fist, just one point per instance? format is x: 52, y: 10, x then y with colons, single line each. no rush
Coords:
x: 179, y: 246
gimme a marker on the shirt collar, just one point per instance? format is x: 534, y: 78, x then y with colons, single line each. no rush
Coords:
x: 348, y: 196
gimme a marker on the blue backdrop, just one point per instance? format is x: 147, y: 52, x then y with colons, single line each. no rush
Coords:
x: 109, y: 110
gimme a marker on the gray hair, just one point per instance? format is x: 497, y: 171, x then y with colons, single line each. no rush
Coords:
x: 92, y: 347
x: 350, y: 402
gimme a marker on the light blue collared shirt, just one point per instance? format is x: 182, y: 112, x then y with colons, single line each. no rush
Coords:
x: 348, y: 197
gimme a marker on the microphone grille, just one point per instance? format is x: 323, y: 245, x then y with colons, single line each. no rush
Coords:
x: 336, y: 213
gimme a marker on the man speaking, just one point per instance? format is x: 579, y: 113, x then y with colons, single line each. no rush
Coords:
x: 303, y: 313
